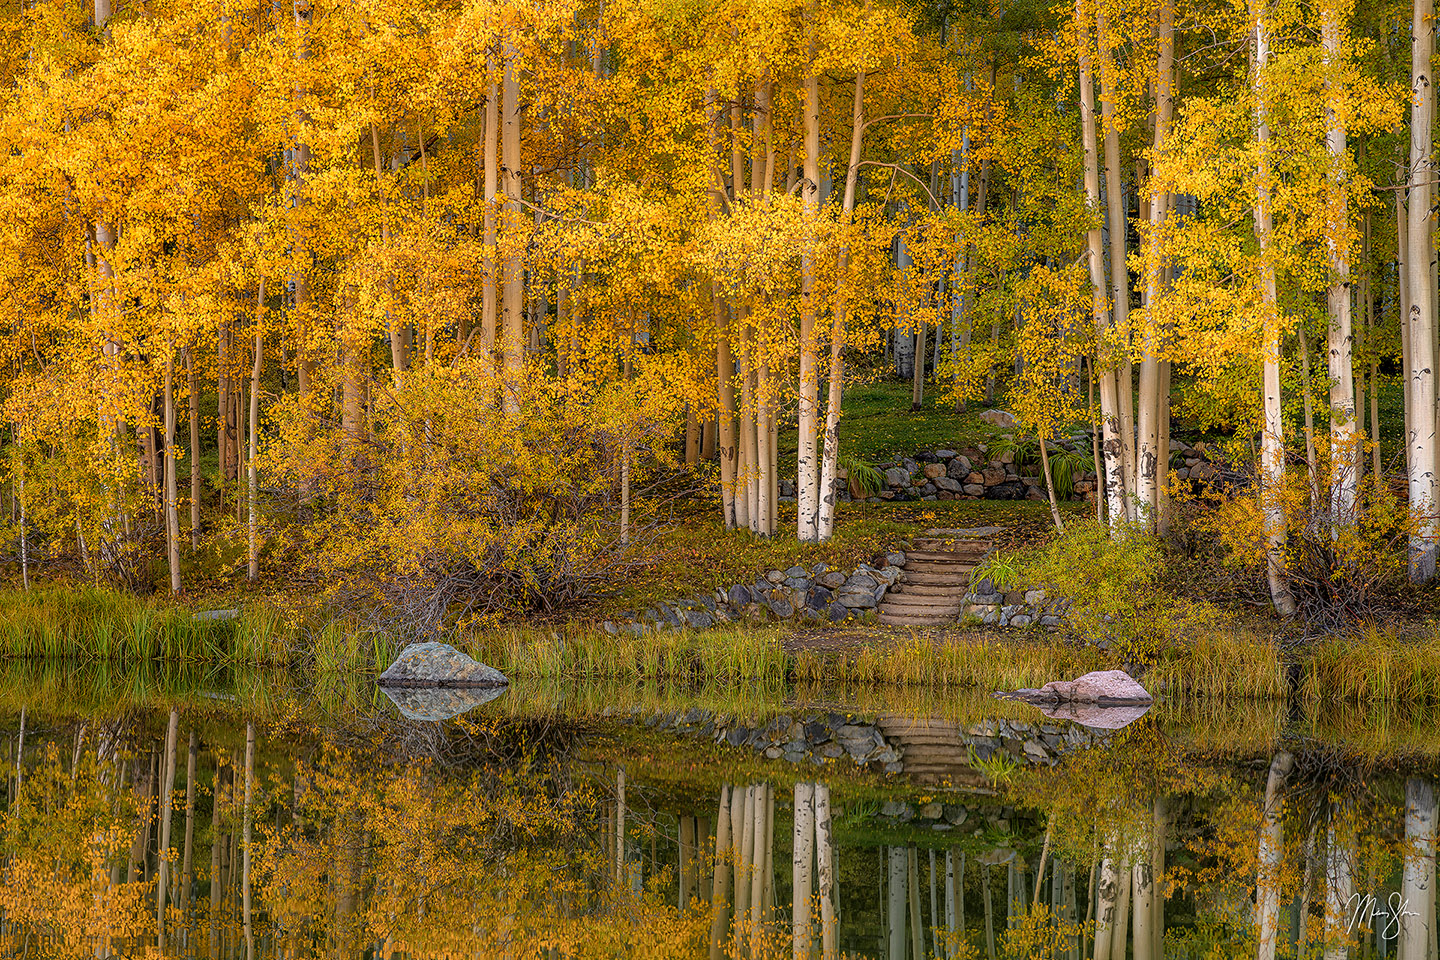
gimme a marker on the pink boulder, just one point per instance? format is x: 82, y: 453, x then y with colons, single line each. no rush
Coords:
x: 1103, y: 687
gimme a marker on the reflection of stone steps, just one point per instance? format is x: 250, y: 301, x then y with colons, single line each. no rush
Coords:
x: 936, y: 577
x: 934, y: 752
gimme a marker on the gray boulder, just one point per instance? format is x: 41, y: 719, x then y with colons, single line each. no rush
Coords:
x: 738, y: 596
x: 439, y: 665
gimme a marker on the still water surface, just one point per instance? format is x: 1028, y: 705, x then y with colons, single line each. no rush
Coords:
x: 256, y: 816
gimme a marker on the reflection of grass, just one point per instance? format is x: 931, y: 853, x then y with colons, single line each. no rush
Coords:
x: 998, y: 768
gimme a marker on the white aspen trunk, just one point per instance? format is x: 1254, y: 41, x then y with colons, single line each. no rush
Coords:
x: 172, y: 515
x: 490, y: 288
x: 1402, y: 270
x: 252, y: 474
x: 399, y: 355
x: 1152, y: 455
x: 1345, y: 449
x: 192, y: 385
x: 1340, y: 853
x: 1272, y: 444
x: 720, y: 887
x: 1417, y: 884
x: 1112, y: 467
x: 749, y: 440
x: 513, y: 294
x: 808, y: 488
x: 725, y: 416
x: 765, y: 453
x: 952, y: 930
x: 825, y: 874
x: 1119, y: 271
x: 804, y: 856
x: 825, y: 524
x: 1271, y: 852
x: 1420, y: 406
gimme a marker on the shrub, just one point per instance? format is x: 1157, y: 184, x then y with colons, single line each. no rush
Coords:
x: 468, y: 494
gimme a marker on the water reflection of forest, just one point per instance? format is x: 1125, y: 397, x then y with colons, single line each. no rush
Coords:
x: 194, y: 833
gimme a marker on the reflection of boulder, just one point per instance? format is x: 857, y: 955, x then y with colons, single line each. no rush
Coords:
x: 439, y: 703
x: 1095, y: 716
x: 1103, y: 687
x: 439, y: 665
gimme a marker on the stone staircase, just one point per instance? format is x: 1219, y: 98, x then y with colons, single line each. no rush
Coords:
x: 936, y: 577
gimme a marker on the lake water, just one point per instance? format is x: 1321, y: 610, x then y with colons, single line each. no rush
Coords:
x: 595, y: 821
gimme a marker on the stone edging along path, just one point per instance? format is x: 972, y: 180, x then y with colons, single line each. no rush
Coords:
x: 822, y: 594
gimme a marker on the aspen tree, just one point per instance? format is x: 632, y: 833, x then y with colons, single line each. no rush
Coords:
x: 1345, y: 450
x: 1272, y: 444
x: 1151, y: 455
x: 1113, y: 466
x: 838, y: 311
x: 1420, y: 421
x: 809, y: 474
x: 513, y: 300
x: 1119, y: 272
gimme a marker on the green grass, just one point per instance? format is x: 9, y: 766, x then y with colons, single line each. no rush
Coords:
x: 876, y: 423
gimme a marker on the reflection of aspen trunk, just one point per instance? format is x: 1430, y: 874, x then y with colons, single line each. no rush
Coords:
x: 1267, y: 887
x: 989, y: 911
x: 896, y: 905
x: 804, y: 857
x: 619, y: 824
x: 769, y: 848
x: 187, y: 867
x: 1339, y: 884
x: 761, y: 863
x: 825, y: 874
x: 720, y: 888
x: 954, y: 904
x: 934, y: 904
x: 684, y: 865
x: 163, y: 853
x: 1107, y: 901
x: 215, y: 882
x: 245, y: 867
x: 1142, y: 883
x: 1417, y: 888
x: 744, y: 833
x: 1160, y: 820
x: 1122, y: 913
x: 912, y: 873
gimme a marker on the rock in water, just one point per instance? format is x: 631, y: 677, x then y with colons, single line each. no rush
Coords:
x: 436, y: 703
x: 1102, y: 687
x: 439, y: 665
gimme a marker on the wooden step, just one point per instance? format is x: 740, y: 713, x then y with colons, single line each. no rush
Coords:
x: 906, y: 589
x: 913, y: 620
x: 938, y: 566
x: 945, y: 556
x: 943, y: 579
